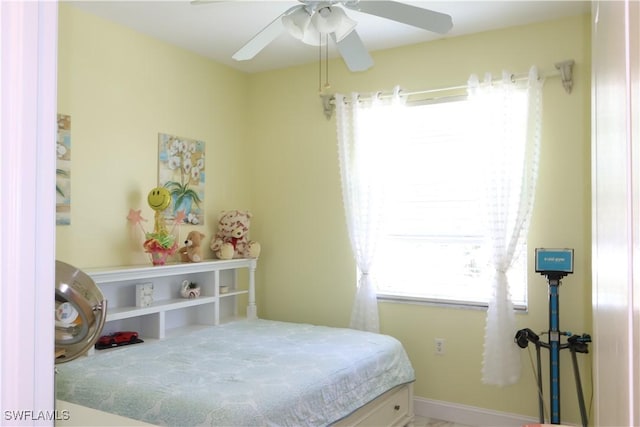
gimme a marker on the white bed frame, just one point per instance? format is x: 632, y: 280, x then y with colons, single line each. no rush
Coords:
x: 393, y: 408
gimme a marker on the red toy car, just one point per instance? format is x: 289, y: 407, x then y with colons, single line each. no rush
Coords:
x: 117, y: 338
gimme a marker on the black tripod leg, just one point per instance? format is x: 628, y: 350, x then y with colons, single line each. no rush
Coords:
x: 576, y: 374
x: 540, y: 400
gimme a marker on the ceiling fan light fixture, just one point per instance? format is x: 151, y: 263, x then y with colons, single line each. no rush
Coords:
x: 313, y: 37
x: 297, y: 23
x: 332, y: 19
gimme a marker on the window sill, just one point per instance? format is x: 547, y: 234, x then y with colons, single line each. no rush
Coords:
x: 468, y: 305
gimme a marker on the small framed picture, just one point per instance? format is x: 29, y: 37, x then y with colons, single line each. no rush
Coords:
x: 144, y: 294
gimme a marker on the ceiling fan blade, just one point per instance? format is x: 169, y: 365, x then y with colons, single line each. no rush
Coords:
x: 263, y: 38
x: 353, y: 52
x: 411, y: 15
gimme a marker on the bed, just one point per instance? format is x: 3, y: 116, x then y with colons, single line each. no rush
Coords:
x: 249, y: 373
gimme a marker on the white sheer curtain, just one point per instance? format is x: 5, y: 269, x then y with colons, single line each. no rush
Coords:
x: 361, y: 157
x: 508, y: 128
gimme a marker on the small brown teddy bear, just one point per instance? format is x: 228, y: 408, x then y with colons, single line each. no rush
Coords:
x: 191, y: 251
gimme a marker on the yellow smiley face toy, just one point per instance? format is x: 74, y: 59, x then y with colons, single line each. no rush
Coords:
x: 160, y: 244
x: 159, y: 199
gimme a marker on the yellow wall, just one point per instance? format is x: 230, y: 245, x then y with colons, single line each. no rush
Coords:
x: 121, y: 89
x: 271, y: 150
x: 307, y: 271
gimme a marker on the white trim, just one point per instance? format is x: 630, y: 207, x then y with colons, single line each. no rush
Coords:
x: 465, y: 305
x: 467, y: 415
x: 28, y: 78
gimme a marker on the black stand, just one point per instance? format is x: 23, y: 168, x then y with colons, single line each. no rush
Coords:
x: 575, y: 343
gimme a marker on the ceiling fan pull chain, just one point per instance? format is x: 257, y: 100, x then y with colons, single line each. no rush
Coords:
x: 327, y: 85
x: 326, y: 61
x: 320, y: 67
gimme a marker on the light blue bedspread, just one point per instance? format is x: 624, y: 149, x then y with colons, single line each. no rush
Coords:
x: 244, y: 373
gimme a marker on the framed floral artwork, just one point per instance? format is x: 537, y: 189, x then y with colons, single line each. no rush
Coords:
x: 63, y: 170
x: 181, y: 170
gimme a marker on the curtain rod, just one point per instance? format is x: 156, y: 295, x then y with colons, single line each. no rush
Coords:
x: 564, y: 69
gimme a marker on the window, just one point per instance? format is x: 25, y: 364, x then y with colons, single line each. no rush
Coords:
x: 432, y: 246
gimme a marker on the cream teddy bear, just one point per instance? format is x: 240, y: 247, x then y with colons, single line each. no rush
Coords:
x: 232, y: 238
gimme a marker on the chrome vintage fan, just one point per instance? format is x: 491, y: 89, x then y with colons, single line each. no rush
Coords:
x: 81, y: 311
x: 312, y: 19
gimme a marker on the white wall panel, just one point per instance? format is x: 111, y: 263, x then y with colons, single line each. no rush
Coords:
x: 616, y: 212
x: 28, y: 58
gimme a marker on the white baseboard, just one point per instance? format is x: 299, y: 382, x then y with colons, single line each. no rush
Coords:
x: 467, y: 415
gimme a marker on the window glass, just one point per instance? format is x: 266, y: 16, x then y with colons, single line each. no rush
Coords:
x: 432, y: 245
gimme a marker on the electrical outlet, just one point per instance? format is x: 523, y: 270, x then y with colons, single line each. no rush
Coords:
x: 439, y: 346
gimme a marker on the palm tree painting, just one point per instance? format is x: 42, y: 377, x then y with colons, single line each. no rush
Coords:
x: 181, y: 170
x: 63, y: 171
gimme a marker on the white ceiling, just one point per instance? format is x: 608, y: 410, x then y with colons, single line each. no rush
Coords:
x: 216, y: 30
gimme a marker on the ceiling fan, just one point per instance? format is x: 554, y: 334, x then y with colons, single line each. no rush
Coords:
x: 313, y: 21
